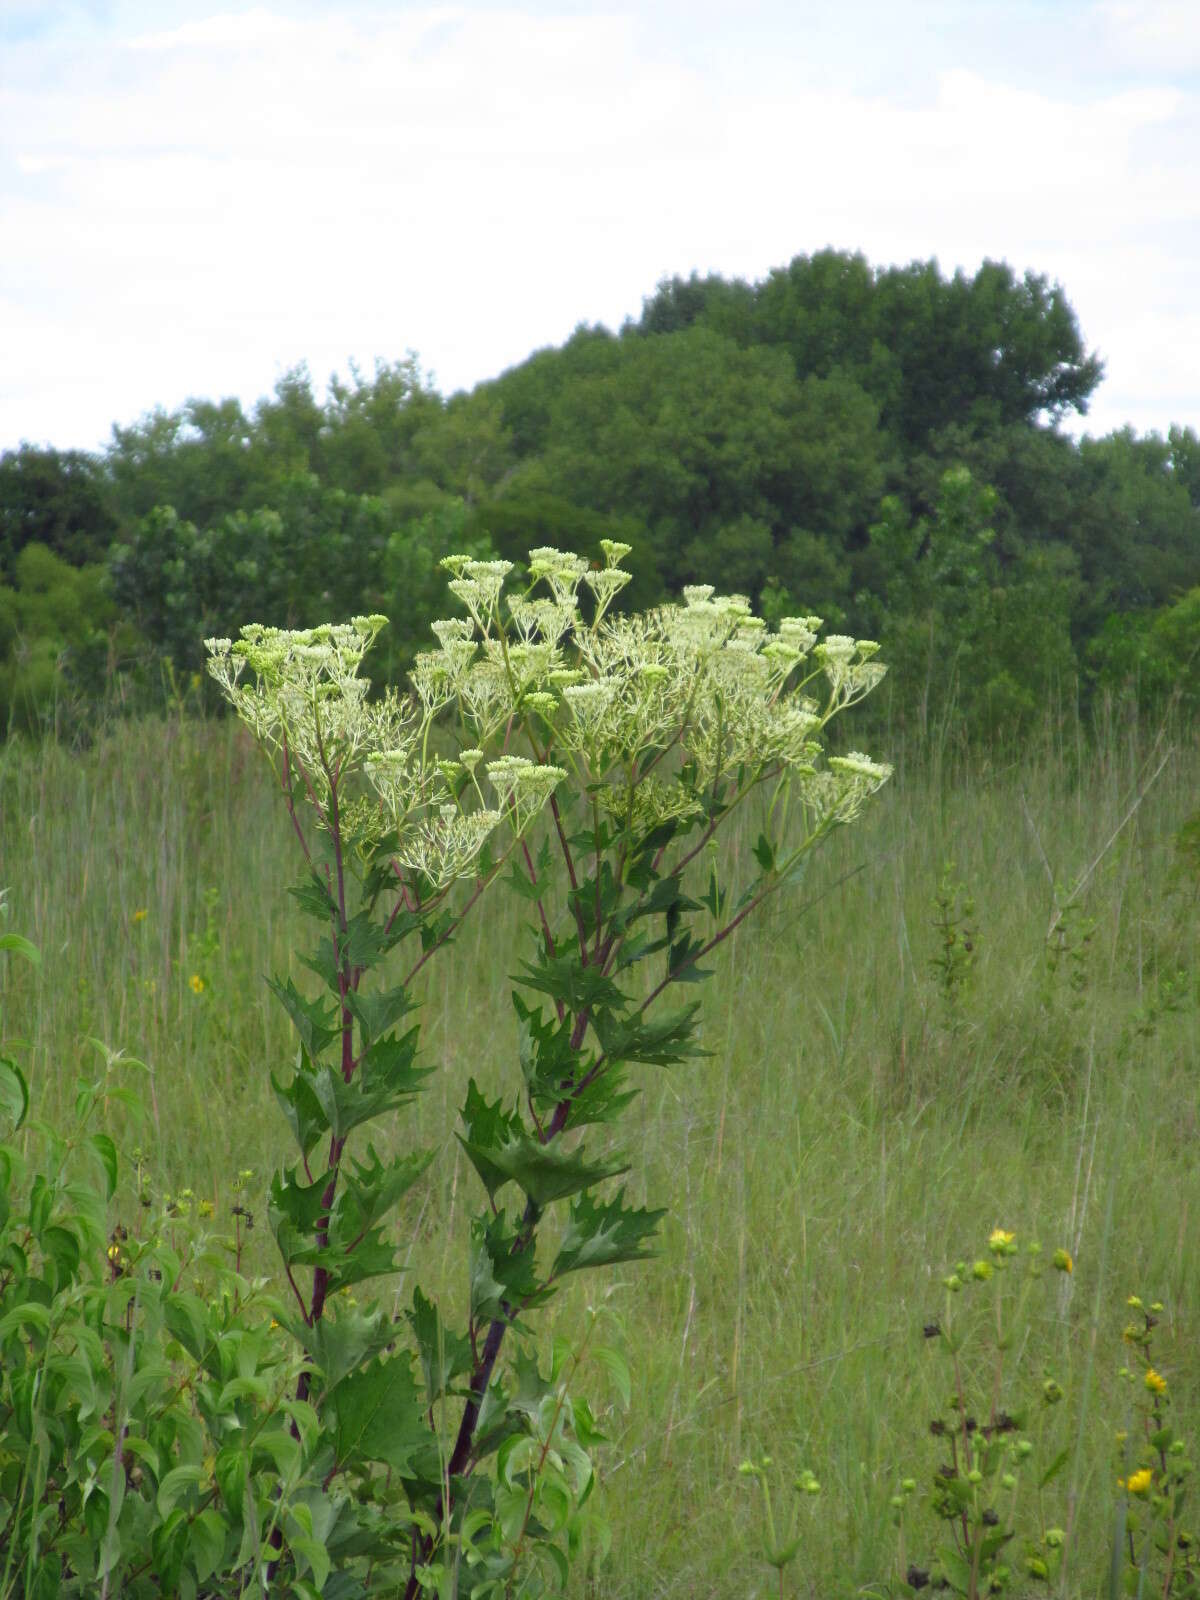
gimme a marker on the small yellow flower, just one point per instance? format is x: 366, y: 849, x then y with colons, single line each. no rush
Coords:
x: 999, y: 1241
x: 196, y: 983
x: 1138, y: 1482
x: 1134, y: 1303
x: 1155, y: 1381
x: 140, y: 915
x: 1062, y: 1261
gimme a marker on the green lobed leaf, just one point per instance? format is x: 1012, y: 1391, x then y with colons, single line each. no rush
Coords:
x: 314, y: 897
x: 487, y: 1124
x: 370, y: 1189
x: 344, y: 1338
x: 598, y: 1234
x: 764, y: 853
x: 316, y: 1021
x: 377, y: 1013
x: 662, y: 1042
x: 549, y: 1061
x: 545, y: 1172
x: 601, y: 1100
x: 385, y: 1081
x: 502, y: 1269
x: 364, y: 941
x: 378, y: 1414
x: 294, y: 1210
x: 443, y: 1355
x: 564, y: 978
x: 298, y: 1101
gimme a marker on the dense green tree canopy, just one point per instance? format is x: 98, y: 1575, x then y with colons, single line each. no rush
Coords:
x: 837, y: 437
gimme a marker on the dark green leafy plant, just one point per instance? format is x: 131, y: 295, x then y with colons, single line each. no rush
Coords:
x: 460, y: 1467
x: 150, y: 1440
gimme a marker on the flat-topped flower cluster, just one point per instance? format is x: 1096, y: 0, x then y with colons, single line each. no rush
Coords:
x: 652, y: 711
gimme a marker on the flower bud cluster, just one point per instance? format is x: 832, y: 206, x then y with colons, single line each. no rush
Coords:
x: 705, y: 677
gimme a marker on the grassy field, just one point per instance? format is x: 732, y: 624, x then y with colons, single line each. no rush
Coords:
x: 852, y: 1133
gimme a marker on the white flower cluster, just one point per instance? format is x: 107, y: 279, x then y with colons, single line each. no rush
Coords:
x: 704, y: 687
x: 446, y: 845
x: 300, y: 690
x: 301, y: 686
x: 522, y: 786
x: 707, y: 677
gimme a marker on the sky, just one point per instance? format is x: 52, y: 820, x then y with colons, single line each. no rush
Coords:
x: 197, y: 197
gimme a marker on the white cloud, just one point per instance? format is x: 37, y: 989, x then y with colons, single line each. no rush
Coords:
x: 199, y: 206
x: 1163, y: 35
x: 231, y: 28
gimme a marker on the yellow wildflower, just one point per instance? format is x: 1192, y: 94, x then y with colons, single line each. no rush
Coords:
x: 1062, y: 1261
x: 999, y: 1241
x: 140, y: 915
x: 1138, y: 1482
x: 1155, y: 1381
x: 196, y: 983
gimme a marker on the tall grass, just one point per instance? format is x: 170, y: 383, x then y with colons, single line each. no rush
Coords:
x: 852, y: 1131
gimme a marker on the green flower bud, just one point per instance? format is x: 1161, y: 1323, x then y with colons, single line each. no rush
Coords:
x: 974, y: 1476
x: 1054, y: 1537
x: 1008, y: 1481
x: 981, y: 1271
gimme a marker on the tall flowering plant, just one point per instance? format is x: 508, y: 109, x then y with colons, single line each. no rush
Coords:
x: 595, y: 756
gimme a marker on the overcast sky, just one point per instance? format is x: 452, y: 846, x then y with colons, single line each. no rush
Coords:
x: 196, y: 197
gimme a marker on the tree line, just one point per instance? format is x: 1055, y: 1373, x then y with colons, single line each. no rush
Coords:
x: 877, y: 445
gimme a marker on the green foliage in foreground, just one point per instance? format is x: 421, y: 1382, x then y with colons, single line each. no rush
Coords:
x: 347, y: 1456
x: 854, y: 1130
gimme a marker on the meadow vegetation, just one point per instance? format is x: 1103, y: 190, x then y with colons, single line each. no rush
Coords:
x: 866, y: 1118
